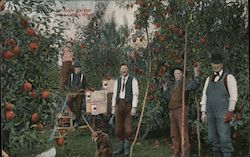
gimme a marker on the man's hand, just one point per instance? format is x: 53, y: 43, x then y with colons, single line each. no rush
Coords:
x: 133, y: 111
x: 81, y: 91
x: 72, y: 94
x: 164, y: 85
x: 196, y: 68
x: 228, y: 117
x: 204, y: 117
x: 113, y: 110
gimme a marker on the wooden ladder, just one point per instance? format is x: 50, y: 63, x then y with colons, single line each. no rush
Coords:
x: 65, y: 120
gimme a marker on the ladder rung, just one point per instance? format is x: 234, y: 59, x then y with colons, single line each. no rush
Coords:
x: 58, y: 128
x: 67, y: 117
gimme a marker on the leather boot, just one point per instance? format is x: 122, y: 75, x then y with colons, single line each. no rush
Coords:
x: 217, y: 154
x: 126, y: 148
x: 120, y: 149
x: 76, y: 124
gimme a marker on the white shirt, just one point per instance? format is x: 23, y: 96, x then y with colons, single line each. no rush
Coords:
x: 232, y: 89
x: 135, y: 91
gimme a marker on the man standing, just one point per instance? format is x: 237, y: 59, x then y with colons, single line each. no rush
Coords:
x: 217, y: 107
x: 124, y: 104
x: 76, y: 85
x: 174, y: 96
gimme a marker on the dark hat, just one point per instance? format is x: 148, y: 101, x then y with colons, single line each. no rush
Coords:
x: 177, y: 67
x: 76, y: 64
x: 216, y: 58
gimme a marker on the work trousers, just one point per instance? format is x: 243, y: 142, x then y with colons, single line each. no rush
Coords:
x: 75, y: 104
x: 219, y: 135
x: 176, y: 131
x: 123, y: 120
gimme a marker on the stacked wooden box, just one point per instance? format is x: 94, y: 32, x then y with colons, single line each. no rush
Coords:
x: 65, y: 120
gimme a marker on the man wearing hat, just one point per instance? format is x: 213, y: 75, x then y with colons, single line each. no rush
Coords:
x: 76, y: 85
x: 217, y: 107
x: 174, y: 96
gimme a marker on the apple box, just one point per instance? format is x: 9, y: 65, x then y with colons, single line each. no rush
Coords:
x: 108, y: 85
x: 97, y: 102
x: 93, y: 109
x: 88, y: 101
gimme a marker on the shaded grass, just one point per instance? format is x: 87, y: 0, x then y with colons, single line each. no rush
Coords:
x: 78, y: 144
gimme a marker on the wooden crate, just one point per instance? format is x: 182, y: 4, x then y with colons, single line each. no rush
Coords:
x: 108, y: 85
x: 109, y: 102
x: 65, y: 120
x: 98, y: 102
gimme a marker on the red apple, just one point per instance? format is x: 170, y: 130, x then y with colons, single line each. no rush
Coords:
x: 30, y: 31
x: 8, y: 55
x: 202, y: 40
x: 35, y: 117
x: 9, y: 115
x: 16, y: 50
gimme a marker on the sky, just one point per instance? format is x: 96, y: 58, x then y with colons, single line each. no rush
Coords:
x: 85, y: 8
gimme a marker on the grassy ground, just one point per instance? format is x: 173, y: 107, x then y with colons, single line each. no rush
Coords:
x: 78, y: 144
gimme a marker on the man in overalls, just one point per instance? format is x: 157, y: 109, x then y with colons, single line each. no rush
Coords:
x: 217, y: 107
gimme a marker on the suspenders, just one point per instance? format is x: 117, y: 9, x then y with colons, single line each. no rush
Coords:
x: 81, y: 79
x: 224, y: 76
x: 71, y: 79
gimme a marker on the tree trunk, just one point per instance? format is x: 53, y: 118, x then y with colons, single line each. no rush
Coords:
x: 183, y: 94
x: 145, y: 96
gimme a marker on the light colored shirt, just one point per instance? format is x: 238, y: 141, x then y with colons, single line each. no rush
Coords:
x: 232, y: 90
x: 135, y: 91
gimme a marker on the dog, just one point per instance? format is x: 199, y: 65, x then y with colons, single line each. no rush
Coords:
x: 103, y: 144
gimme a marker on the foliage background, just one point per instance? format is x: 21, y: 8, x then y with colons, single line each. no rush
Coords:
x: 101, y: 46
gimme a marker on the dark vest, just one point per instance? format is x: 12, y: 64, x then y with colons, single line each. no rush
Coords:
x: 128, y: 89
x: 217, y: 98
x: 76, y: 81
x: 176, y: 96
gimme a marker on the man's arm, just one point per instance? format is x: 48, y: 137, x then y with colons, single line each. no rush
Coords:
x: 204, y: 102
x: 114, y: 94
x: 83, y: 82
x: 204, y: 96
x: 233, y: 92
x: 135, y: 90
x: 195, y: 83
x: 166, y: 92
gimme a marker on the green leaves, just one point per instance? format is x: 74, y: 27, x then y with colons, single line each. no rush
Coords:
x: 220, y: 24
x: 101, y: 47
x: 33, y: 65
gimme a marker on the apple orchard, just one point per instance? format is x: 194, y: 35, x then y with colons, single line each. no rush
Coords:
x: 30, y: 47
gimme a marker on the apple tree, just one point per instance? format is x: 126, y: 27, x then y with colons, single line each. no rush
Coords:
x: 29, y: 71
x: 211, y: 26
